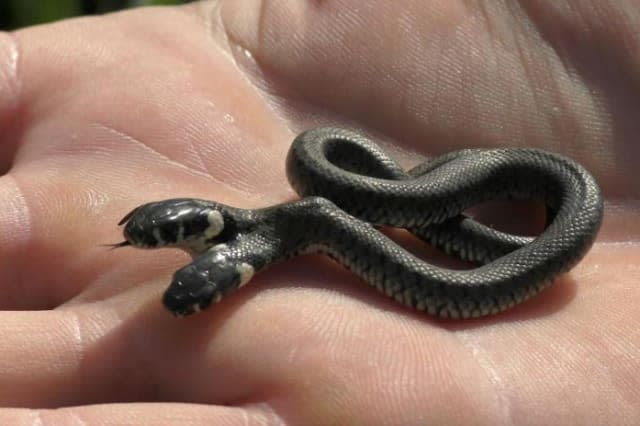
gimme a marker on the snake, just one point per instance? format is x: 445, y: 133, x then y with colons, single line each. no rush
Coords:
x: 350, y: 189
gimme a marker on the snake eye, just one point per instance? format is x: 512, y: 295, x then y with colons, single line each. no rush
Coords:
x: 172, y: 222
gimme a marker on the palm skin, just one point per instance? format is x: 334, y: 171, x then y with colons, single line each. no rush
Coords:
x: 100, y: 115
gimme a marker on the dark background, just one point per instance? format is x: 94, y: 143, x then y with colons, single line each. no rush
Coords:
x: 21, y: 13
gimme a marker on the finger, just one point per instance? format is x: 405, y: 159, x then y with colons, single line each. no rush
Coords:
x: 51, y: 343
x: 54, y: 219
x: 58, y: 358
x: 69, y: 356
x: 125, y: 348
x: 267, y: 345
x: 128, y: 349
x: 141, y: 414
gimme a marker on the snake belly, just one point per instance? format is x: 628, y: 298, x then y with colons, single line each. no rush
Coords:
x: 348, y: 186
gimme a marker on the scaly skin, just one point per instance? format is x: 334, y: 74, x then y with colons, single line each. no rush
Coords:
x: 350, y: 170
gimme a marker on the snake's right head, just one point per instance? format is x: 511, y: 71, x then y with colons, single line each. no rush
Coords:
x: 183, y: 222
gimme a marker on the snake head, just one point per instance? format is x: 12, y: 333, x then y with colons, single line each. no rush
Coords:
x: 188, y: 223
x: 205, y: 282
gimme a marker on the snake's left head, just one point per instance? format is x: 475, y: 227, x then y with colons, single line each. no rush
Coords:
x: 205, y: 282
x: 183, y: 222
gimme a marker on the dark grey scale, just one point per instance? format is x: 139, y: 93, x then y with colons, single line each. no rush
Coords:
x: 191, y: 227
x: 347, y: 185
x: 169, y: 231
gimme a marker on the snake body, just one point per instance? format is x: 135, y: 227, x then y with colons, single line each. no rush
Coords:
x: 348, y: 186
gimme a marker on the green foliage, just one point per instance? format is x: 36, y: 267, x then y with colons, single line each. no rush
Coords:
x: 21, y: 13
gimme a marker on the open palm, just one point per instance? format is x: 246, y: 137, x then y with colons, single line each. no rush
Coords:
x: 100, y: 115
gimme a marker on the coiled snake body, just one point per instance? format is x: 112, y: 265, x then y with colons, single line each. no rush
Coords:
x: 348, y: 185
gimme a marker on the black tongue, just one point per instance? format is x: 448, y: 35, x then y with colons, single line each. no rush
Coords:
x: 117, y: 245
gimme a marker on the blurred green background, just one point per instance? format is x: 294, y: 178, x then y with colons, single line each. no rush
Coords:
x: 20, y: 13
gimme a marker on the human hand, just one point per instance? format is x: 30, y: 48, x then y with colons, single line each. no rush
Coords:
x: 100, y: 115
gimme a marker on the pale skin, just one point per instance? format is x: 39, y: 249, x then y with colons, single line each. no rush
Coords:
x: 100, y: 115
